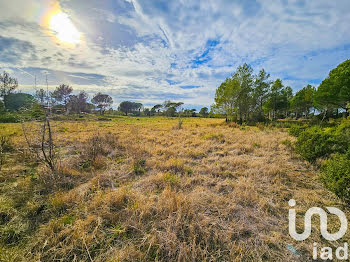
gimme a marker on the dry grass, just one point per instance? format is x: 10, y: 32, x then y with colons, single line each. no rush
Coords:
x: 147, y: 191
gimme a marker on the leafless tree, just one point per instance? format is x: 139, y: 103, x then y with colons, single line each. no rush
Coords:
x: 39, y: 138
x: 7, y: 84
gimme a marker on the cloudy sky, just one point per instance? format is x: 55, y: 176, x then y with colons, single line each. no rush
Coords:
x: 150, y: 51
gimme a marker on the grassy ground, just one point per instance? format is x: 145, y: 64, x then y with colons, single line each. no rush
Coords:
x: 158, y: 190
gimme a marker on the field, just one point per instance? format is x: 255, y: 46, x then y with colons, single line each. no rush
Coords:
x: 155, y: 189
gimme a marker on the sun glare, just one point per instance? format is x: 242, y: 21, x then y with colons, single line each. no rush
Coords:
x: 64, y: 29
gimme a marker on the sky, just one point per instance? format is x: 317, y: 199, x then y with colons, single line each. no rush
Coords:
x: 150, y: 51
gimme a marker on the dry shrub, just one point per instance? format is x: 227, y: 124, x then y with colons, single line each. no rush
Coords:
x: 100, y: 162
x: 100, y: 145
x: 139, y: 167
x: 261, y: 126
x: 233, y: 124
x: 104, y: 181
x: 175, y: 165
x: 6, y: 146
x: 65, y: 177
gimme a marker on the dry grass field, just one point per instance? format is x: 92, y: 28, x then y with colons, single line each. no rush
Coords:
x: 147, y: 189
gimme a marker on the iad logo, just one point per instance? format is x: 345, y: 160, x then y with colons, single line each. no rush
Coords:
x: 326, y: 252
x: 323, y: 221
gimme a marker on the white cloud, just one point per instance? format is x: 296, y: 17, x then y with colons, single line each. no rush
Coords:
x: 280, y: 37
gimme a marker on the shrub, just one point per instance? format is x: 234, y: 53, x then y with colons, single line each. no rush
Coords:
x: 288, y: 143
x: 100, y: 145
x: 139, y: 167
x: 342, y: 136
x: 8, y: 118
x: 335, y: 173
x: 314, y: 143
x: 179, y: 124
x: 261, y: 126
x: 296, y: 130
x: 5, y: 146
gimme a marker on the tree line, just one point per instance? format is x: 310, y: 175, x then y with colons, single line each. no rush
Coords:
x: 246, y: 96
x: 63, y: 101
x: 243, y: 97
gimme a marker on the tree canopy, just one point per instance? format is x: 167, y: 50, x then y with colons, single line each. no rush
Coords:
x: 7, y: 84
x: 102, y: 101
x: 130, y: 107
x: 334, y: 91
x: 17, y: 101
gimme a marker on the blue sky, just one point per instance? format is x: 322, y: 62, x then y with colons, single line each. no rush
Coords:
x: 151, y: 51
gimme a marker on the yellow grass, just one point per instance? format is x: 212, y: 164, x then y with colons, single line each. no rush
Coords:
x: 207, y: 192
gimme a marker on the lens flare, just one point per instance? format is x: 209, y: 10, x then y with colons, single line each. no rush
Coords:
x: 60, y: 26
x: 64, y: 29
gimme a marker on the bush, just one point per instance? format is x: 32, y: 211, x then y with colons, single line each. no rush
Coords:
x: 99, y: 145
x: 8, y: 118
x: 139, y: 167
x: 314, y: 143
x: 342, y: 136
x: 5, y: 147
x: 335, y: 173
x: 296, y: 130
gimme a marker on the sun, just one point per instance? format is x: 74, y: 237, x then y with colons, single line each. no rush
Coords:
x: 64, y: 29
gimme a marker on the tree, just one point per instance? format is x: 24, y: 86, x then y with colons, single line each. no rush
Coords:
x: 204, y: 112
x: 78, y: 103
x: 156, y: 108
x: 190, y: 112
x: 226, y: 96
x: 7, y: 84
x: 40, y: 96
x: 171, y: 111
x: 130, y: 107
x: 147, y: 112
x: 102, y: 101
x: 302, y: 102
x: 171, y: 107
x: 62, y: 94
x: 334, y: 91
x: 278, y: 101
x: 261, y: 92
x: 14, y: 102
x: 245, y: 79
x: 2, y: 107
x: 234, y: 95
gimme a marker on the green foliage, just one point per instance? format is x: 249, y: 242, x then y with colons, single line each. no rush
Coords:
x: 335, y: 173
x: 302, y: 102
x: 342, y: 136
x: 8, y: 118
x: 171, y: 179
x: 2, y: 107
x: 7, y: 84
x: 62, y: 94
x: 130, y: 107
x: 234, y: 95
x: 334, y: 91
x: 314, y: 143
x: 139, y: 167
x: 102, y: 101
x: 179, y: 123
x: 204, y: 112
x: 296, y: 130
x: 171, y: 111
x: 17, y: 101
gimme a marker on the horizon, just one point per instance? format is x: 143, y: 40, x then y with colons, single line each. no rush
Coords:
x: 151, y: 51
